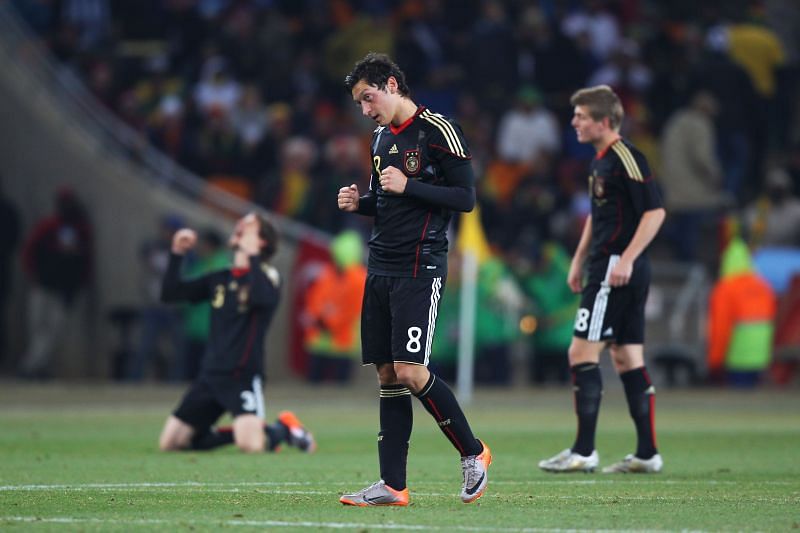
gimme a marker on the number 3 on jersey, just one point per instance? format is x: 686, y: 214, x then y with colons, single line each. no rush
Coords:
x: 582, y: 319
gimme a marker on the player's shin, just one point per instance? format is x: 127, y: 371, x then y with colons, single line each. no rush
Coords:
x: 396, y: 419
x: 439, y: 401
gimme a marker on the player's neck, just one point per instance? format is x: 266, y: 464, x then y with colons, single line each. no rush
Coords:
x: 241, y: 259
x: 405, y: 110
x: 602, y: 144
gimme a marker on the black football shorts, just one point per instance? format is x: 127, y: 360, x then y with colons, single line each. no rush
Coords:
x: 613, y: 314
x: 211, y: 396
x: 398, y: 319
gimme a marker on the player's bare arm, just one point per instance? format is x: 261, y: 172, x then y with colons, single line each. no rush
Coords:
x: 348, y: 198
x: 183, y: 241
x: 645, y: 232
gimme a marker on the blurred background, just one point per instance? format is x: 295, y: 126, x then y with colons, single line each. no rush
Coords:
x: 123, y: 121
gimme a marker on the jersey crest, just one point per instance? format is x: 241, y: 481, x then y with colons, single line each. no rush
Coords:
x: 411, y: 161
x: 597, y: 186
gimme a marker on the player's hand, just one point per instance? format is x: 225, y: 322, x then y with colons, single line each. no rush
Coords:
x: 348, y: 198
x: 183, y: 241
x: 392, y: 180
x: 575, y: 277
x: 621, y: 273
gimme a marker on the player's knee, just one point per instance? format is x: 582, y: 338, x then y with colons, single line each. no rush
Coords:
x: 250, y: 441
x: 386, y: 375
x: 168, y: 443
x: 412, y: 376
x: 252, y: 444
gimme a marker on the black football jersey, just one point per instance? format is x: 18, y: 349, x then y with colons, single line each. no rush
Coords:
x: 242, y: 301
x: 409, y: 236
x: 622, y: 188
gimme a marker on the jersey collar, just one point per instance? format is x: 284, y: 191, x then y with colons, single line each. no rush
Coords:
x: 396, y: 130
x: 239, y: 272
x: 602, y: 153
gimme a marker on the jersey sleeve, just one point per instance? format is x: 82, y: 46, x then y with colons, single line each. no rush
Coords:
x: 448, y: 149
x: 638, y: 179
x: 446, y: 140
x: 175, y: 289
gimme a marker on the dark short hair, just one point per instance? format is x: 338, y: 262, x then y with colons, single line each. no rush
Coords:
x: 376, y: 69
x: 602, y: 102
x: 270, y: 235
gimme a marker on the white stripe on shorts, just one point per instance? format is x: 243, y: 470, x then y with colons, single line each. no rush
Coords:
x: 258, y: 392
x: 601, y: 302
x: 436, y: 286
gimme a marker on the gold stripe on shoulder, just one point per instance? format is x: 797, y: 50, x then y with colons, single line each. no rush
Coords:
x: 628, y: 160
x: 450, y: 134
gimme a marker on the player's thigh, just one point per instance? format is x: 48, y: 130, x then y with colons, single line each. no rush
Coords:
x: 176, y: 435
x: 582, y: 351
x: 240, y: 396
x: 415, y: 305
x: 248, y: 433
x: 199, y: 407
x: 376, y: 321
x: 627, y: 357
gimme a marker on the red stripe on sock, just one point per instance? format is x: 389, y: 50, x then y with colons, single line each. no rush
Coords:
x: 447, y: 430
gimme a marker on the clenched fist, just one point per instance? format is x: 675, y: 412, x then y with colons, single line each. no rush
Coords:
x: 183, y: 241
x: 348, y: 198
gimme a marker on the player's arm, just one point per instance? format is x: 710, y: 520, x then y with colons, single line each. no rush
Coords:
x: 173, y: 288
x: 350, y: 201
x: 457, y: 194
x: 575, y: 275
x: 645, y: 232
x: 646, y: 199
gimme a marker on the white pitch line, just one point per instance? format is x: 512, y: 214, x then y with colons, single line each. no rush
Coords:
x: 299, y: 524
x: 217, y: 486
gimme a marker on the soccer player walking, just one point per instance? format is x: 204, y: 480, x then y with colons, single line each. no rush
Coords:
x: 626, y: 215
x: 243, y: 300
x: 421, y: 173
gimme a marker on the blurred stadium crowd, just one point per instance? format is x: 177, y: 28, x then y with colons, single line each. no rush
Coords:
x: 248, y: 95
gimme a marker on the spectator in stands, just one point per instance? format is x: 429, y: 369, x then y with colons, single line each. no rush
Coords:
x: 333, y: 310
x: 773, y: 219
x: 691, y: 174
x: 731, y: 87
x: 57, y: 257
x: 528, y: 133
x: 741, y: 318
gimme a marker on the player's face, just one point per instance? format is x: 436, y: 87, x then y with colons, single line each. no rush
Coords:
x: 379, y: 105
x: 246, y: 227
x: 587, y: 128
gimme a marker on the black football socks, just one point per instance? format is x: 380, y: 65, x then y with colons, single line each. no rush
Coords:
x: 588, y: 392
x: 276, y: 434
x: 439, y: 401
x: 396, y: 419
x: 221, y: 436
x: 208, y: 440
x: 641, y: 396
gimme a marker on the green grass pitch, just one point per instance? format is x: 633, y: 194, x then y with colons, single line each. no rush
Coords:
x: 84, y: 459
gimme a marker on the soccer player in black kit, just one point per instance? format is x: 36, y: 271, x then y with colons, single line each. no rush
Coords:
x: 421, y: 173
x: 626, y: 215
x: 243, y: 300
